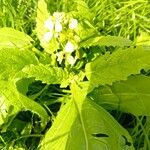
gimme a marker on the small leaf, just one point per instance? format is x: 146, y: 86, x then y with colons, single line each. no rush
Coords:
x: 46, y: 73
x: 105, y: 41
x: 10, y: 38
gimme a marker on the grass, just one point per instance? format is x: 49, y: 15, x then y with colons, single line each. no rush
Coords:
x: 18, y: 14
x: 123, y: 18
x: 127, y: 18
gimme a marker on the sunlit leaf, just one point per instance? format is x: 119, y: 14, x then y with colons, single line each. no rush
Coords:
x: 109, y: 68
x: 132, y: 96
x: 81, y: 124
x: 10, y: 38
x: 12, y: 102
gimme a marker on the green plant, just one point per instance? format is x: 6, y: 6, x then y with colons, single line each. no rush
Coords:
x: 76, y: 71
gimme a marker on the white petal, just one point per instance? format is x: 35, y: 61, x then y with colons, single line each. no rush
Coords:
x: 49, y: 24
x: 58, y: 26
x: 69, y: 47
x: 71, y: 60
x: 73, y: 23
x: 48, y: 36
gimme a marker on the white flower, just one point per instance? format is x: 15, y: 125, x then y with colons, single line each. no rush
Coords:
x: 69, y: 47
x: 48, y: 36
x: 49, y: 24
x: 58, y: 26
x: 73, y: 23
x: 71, y: 60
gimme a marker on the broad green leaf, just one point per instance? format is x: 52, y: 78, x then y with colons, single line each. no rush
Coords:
x: 13, y: 102
x: 105, y: 41
x: 132, y: 95
x: 83, y: 125
x: 10, y: 38
x: 46, y: 73
x: 109, y: 68
x: 13, y: 60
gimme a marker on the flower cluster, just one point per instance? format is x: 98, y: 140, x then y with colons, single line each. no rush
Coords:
x: 62, y: 29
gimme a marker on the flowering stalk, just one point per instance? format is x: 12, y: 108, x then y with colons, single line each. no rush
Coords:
x: 61, y: 29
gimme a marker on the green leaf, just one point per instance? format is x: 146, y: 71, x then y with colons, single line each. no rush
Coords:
x: 13, y: 60
x: 13, y: 102
x: 143, y: 39
x: 10, y: 38
x: 42, y: 16
x: 109, y: 68
x: 23, y: 84
x: 130, y: 96
x: 46, y: 73
x: 83, y: 125
x: 105, y: 41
